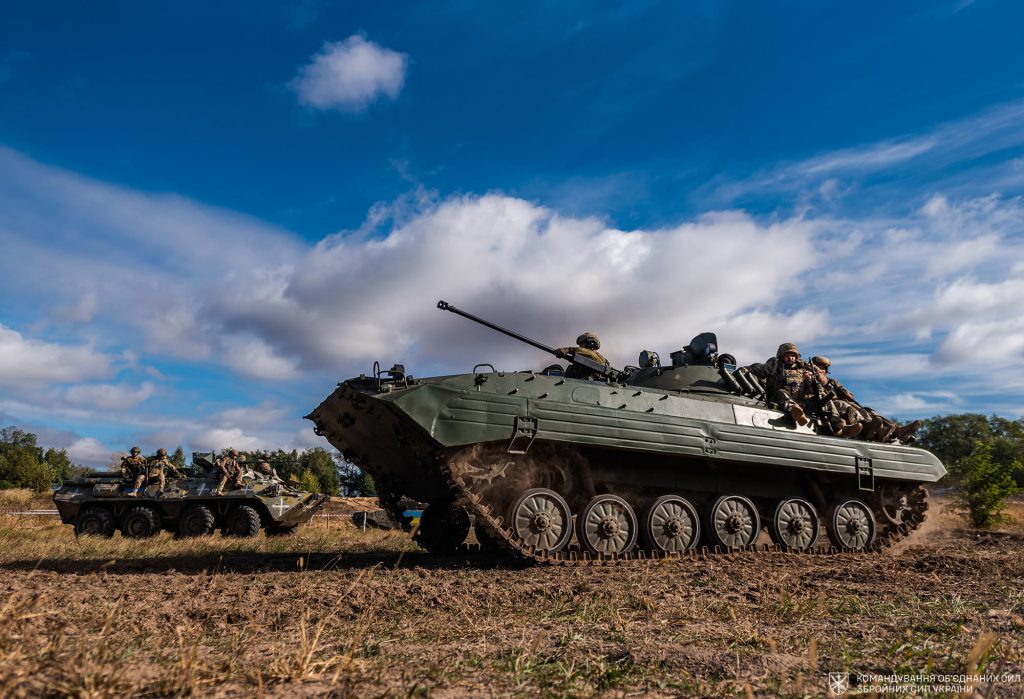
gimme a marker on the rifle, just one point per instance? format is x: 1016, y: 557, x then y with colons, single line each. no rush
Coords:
x: 603, y: 370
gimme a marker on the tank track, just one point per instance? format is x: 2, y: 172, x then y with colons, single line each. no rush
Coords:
x: 507, y: 542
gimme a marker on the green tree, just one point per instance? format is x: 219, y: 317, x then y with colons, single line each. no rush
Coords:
x: 320, y: 463
x: 353, y: 482
x: 178, y: 457
x: 60, y: 466
x: 308, y: 481
x: 983, y: 485
x: 952, y: 438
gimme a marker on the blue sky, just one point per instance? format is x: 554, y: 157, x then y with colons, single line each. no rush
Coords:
x: 211, y: 214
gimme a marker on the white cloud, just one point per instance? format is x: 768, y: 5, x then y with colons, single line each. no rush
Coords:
x: 349, y: 75
x: 119, y: 396
x: 250, y: 356
x: 26, y: 361
x: 89, y: 451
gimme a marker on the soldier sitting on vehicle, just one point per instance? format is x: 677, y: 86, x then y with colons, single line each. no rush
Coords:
x: 836, y: 404
x: 154, y: 471
x: 877, y: 428
x: 230, y: 470
x: 789, y: 382
x: 131, y: 468
x: 587, y: 345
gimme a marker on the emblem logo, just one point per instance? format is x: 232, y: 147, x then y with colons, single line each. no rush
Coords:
x: 839, y: 682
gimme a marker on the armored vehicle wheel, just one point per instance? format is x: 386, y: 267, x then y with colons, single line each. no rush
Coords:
x: 795, y: 525
x: 734, y: 522
x: 607, y: 525
x: 851, y: 525
x: 894, y: 504
x: 196, y: 520
x: 243, y: 521
x: 542, y: 520
x: 95, y: 521
x: 671, y: 525
x: 443, y: 527
x: 282, y: 530
x: 140, y: 522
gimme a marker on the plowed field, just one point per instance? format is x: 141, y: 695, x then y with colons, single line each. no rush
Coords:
x: 337, y: 611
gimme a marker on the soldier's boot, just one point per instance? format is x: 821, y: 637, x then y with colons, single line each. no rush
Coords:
x: 908, y: 430
x: 887, y: 432
x: 851, y: 431
x: 799, y: 417
x: 870, y: 432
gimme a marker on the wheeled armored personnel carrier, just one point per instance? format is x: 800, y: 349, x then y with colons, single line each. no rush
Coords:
x: 655, y: 459
x: 99, y: 504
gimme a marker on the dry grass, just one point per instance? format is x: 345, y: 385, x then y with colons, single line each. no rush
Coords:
x: 328, y: 613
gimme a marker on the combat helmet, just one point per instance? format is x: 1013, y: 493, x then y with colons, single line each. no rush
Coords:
x: 823, y: 362
x: 136, y: 451
x: 588, y: 340
x: 232, y: 452
x: 785, y: 348
x: 161, y: 452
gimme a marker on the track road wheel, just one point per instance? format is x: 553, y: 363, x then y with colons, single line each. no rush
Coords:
x: 140, y: 522
x: 733, y: 522
x: 671, y: 525
x: 196, y: 520
x: 242, y: 521
x: 95, y: 521
x: 443, y: 527
x: 489, y: 543
x: 542, y: 520
x: 851, y: 525
x: 607, y: 525
x: 795, y: 525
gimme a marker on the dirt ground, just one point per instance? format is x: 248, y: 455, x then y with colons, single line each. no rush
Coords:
x: 336, y: 611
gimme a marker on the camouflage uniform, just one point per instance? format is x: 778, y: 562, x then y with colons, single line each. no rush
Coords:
x: 876, y: 428
x: 155, y: 470
x: 132, y: 467
x: 788, y: 385
x: 587, y: 345
x: 838, y: 406
x: 230, y: 470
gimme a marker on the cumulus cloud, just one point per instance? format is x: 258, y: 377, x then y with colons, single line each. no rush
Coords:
x: 27, y: 361
x: 119, y: 396
x: 348, y: 75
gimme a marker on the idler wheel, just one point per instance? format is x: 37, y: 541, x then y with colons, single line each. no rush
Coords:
x: 671, y: 525
x: 541, y: 519
x: 894, y: 504
x: 733, y: 522
x: 851, y: 525
x: 795, y: 525
x: 607, y: 526
x: 443, y: 527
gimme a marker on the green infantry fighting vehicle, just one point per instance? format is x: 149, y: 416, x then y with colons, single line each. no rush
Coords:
x: 656, y: 459
x: 99, y: 504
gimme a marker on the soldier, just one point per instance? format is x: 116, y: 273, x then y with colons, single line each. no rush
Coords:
x: 155, y: 470
x: 876, y: 427
x: 131, y: 468
x: 789, y: 381
x: 266, y: 470
x: 587, y: 345
x: 843, y: 415
x: 230, y: 469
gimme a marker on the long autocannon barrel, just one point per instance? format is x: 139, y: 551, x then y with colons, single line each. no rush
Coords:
x: 576, y: 358
x: 445, y: 306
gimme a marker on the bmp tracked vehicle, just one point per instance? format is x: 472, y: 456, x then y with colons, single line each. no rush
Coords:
x: 99, y: 505
x: 654, y: 459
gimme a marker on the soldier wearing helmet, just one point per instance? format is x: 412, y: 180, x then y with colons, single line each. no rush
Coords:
x: 131, y: 468
x: 155, y: 471
x: 837, y: 405
x: 788, y: 381
x: 587, y: 345
x: 875, y: 427
x: 230, y: 470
